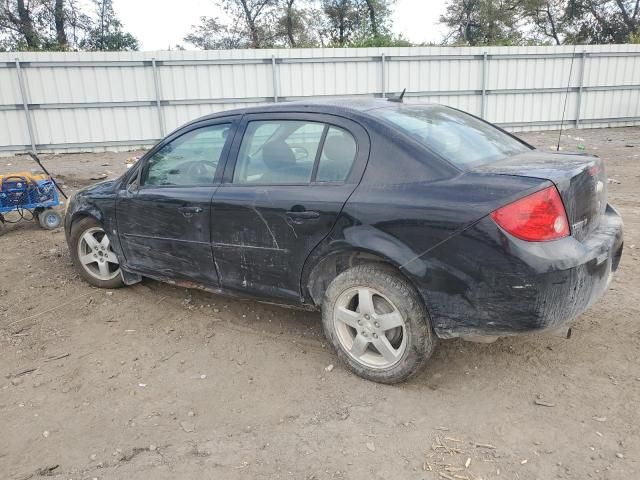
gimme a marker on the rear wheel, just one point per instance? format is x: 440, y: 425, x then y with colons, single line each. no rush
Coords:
x: 377, y: 323
x: 92, y: 254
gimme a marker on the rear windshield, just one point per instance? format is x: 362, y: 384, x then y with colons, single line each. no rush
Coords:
x: 456, y: 136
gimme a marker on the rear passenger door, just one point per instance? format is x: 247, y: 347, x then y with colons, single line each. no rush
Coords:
x: 286, y: 181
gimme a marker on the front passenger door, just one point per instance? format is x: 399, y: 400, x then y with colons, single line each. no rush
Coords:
x: 164, y: 214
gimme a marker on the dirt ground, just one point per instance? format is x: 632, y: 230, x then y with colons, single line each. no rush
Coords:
x: 158, y: 382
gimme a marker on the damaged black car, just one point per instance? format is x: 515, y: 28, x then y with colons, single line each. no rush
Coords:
x: 402, y: 223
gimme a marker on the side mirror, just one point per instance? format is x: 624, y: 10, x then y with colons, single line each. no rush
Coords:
x: 133, y: 186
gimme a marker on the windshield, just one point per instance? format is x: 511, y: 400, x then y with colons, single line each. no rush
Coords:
x: 456, y: 136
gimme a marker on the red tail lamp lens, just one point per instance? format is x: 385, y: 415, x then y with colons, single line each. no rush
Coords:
x: 538, y: 217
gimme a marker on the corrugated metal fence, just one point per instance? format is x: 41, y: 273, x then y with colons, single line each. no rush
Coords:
x: 95, y: 101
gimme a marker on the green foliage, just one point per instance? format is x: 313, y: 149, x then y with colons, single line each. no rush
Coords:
x: 482, y: 22
x: 106, y: 33
x: 298, y: 23
x: 381, y: 41
x: 541, y: 22
x: 61, y: 25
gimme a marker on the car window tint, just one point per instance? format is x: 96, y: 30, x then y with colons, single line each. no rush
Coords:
x: 275, y: 152
x: 190, y: 159
x: 338, y: 154
x: 457, y: 137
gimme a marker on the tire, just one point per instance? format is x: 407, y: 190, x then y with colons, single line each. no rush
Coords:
x: 49, y: 219
x: 357, y: 326
x: 99, y: 254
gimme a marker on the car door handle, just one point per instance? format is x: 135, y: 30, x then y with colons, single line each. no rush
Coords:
x: 189, y: 211
x: 303, y: 215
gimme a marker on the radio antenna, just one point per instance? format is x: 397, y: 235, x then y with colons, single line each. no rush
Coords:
x: 566, y: 96
x: 399, y: 98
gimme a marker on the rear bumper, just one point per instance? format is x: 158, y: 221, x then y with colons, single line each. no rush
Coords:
x: 498, y: 285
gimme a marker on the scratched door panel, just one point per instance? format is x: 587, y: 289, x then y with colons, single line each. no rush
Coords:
x: 161, y: 238
x: 164, y: 218
x: 258, y: 246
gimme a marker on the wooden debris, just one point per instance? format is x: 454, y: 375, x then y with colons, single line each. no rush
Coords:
x: 57, y: 357
x: 22, y: 372
x: 486, y: 445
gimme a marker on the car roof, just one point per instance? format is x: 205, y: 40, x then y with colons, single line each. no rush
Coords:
x: 351, y: 107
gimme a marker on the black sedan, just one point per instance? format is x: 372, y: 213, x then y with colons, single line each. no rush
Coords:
x: 403, y: 223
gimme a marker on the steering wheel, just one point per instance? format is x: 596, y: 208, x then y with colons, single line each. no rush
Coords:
x: 199, y: 169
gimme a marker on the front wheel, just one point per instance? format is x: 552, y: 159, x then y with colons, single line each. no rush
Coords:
x: 92, y: 254
x: 377, y: 323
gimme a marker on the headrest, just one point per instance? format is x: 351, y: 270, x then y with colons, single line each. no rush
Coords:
x: 277, y: 154
x: 340, y: 148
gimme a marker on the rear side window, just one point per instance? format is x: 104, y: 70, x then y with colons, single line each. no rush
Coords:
x: 457, y: 137
x: 278, y: 152
x: 338, y: 154
x: 294, y: 152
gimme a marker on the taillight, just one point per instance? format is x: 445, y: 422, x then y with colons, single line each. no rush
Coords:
x: 538, y: 217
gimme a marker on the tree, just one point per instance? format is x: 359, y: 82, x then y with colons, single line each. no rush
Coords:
x: 106, y: 33
x: 604, y: 21
x: 482, y: 22
x: 548, y: 18
x: 210, y: 34
x: 59, y: 20
x: 357, y: 22
x: 505, y: 22
x: 297, y: 24
x: 342, y: 20
x: 37, y: 24
x: 61, y: 25
x: 18, y: 24
x: 251, y: 26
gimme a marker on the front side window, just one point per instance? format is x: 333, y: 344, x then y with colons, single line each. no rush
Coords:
x: 457, y: 137
x: 278, y: 152
x: 190, y: 159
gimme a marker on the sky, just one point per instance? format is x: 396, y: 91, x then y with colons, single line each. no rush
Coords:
x: 158, y: 24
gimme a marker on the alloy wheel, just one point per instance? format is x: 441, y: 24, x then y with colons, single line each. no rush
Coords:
x: 96, y: 255
x: 370, y: 328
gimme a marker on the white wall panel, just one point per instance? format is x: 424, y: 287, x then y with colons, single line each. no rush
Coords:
x: 84, y: 101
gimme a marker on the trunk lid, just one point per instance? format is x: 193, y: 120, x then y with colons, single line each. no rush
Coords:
x: 580, y: 178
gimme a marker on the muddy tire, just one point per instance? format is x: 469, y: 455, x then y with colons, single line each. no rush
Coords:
x: 377, y: 323
x: 92, y: 255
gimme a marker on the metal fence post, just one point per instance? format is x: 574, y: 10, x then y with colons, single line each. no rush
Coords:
x: 384, y: 79
x: 580, y: 84
x: 483, y: 104
x: 158, y: 101
x: 25, y: 106
x: 274, y: 74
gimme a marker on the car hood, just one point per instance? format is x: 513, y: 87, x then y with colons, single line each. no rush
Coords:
x: 102, y: 188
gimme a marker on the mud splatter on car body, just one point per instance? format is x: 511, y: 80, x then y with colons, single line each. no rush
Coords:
x: 402, y: 203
